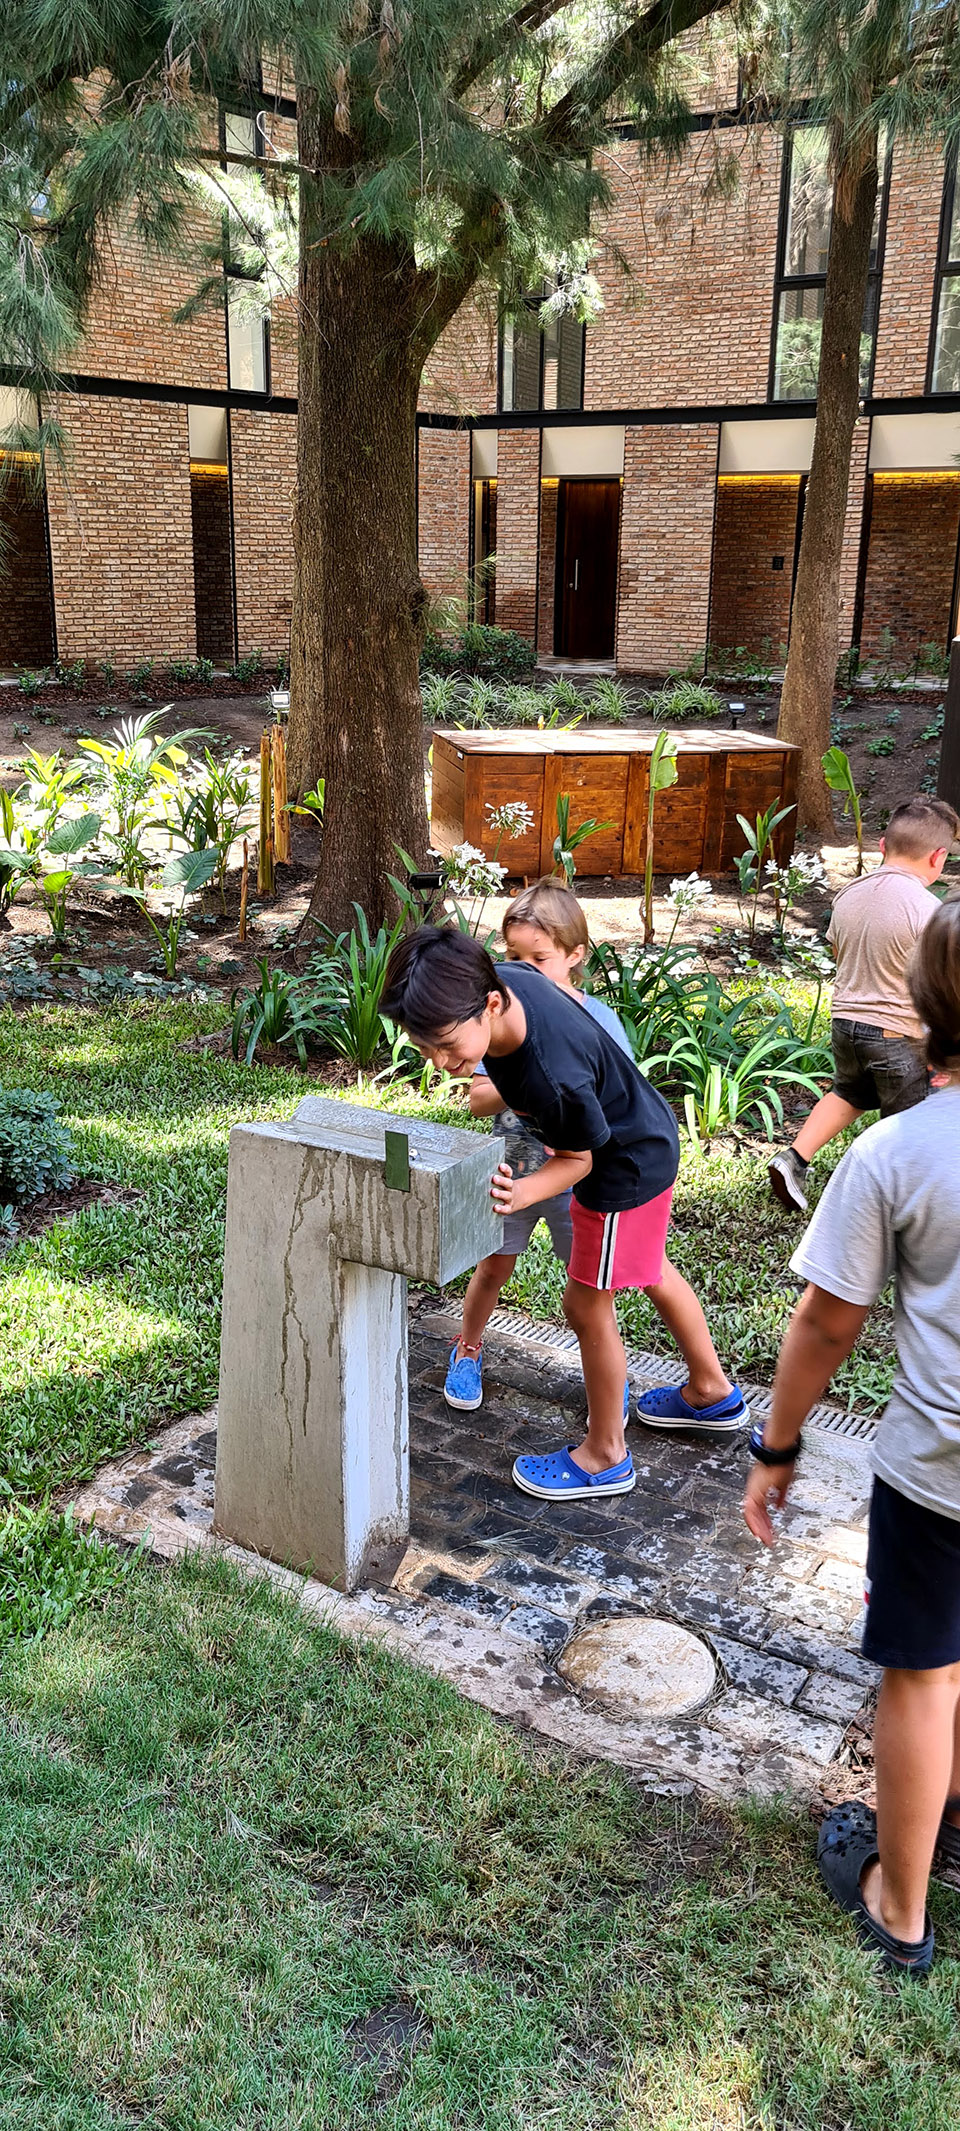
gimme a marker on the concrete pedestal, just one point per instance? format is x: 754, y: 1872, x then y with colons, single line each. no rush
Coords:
x: 312, y: 1438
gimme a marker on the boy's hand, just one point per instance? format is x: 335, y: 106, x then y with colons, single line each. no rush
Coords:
x: 504, y: 1191
x: 767, y: 1487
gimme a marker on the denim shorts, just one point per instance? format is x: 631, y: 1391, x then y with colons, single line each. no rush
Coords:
x: 518, y: 1227
x: 872, y: 1071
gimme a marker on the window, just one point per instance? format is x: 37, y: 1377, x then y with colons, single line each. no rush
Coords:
x: 804, y: 245
x: 248, y: 355
x: 945, y: 350
x: 541, y: 366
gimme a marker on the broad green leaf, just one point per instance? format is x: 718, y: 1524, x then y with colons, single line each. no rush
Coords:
x: 191, y: 870
x: 74, y: 835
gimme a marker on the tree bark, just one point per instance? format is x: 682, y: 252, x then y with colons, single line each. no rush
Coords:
x: 808, y: 686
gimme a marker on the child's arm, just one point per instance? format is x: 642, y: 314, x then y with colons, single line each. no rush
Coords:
x: 483, y: 1098
x: 822, y: 1332
x: 510, y: 1194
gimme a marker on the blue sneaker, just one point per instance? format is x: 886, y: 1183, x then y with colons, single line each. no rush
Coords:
x: 556, y: 1478
x: 463, y: 1389
x: 667, y: 1408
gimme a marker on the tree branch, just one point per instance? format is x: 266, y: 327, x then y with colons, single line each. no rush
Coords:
x: 491, y: 45
x: 570, y: 126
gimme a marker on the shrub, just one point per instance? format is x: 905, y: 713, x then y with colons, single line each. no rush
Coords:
x: 438, y: 694
x: 499, y: 654
x: 682, y: 700
x: 247, y: 669
x: 36, y: 1150
x: 344, y: 984
x: 610, y: 701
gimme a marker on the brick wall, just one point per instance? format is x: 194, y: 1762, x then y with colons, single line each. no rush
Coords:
x: 518, y: 511
x: 120, y: 532
x: 212, y: 564
x: 666, y: 529
x: 130, y: 329
x: 691, y: 324
x: 549, y: 500
x: 853, y: 533
x: 909, y: 271
x: 460, y: 373
x: 749, y: 599
x: 26, y: 609
x: 444, y: 510
x: 263, y: 460
x: 914, y: 526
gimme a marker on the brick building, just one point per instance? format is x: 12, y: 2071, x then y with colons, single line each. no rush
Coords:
x: 631, y: 491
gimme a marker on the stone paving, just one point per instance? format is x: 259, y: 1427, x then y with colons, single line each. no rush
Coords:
x: 495, y: 1584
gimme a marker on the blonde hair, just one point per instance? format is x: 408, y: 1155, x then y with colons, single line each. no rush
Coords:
x: 553, y: 909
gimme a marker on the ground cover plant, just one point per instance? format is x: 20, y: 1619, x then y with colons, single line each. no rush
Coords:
x: 255, y: 1878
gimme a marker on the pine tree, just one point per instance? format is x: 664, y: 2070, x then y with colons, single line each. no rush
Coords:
x: 439, y: 147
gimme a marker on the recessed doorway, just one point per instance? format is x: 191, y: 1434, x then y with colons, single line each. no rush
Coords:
x: 588, y: 535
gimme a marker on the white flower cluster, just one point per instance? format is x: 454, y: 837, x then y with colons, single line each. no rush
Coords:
x: 688, y: 892
x: 513, y: 818
x: 468, y: 872
x: 803, y: 872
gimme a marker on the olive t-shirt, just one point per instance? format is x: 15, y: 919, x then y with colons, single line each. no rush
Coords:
x: 893, y: 1207
x: 581, y: 1091
x: 874, y: 928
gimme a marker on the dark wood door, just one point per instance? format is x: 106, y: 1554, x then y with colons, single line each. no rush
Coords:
x: 588, y: 532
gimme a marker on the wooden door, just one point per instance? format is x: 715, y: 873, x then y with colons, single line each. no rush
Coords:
x: 588, y: 533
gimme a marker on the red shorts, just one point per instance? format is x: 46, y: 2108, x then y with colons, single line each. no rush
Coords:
x: 616, y: 1250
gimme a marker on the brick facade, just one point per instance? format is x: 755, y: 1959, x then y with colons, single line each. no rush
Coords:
x: 518, y: 511
x: 853, y: 533
x: 666, y: 535
x: 212, y: 564
x: 911, y: 563
x: 549, y: 501
x: 909, y: 272
x: 444, y: 510
x: 120, y: 532
x: 749, y: 596
x: 263, y: 467
x: 131, y: 332
x: 26, y: 607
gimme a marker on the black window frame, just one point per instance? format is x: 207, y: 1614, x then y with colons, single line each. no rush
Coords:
x: 945, y: 270
x: 783, y: 282
x: 534, y: 304
x: 249, y: 108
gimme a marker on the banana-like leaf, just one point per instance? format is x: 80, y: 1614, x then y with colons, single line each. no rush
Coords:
x: 74, y: 836
x: 191, y: 870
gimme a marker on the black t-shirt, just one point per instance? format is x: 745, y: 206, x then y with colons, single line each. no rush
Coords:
x: 581, y: 1091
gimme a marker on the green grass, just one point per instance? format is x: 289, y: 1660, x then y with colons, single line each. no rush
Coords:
x: 228, y: 1840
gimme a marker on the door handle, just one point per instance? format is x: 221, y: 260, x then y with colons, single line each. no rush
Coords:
x: 576, y: 575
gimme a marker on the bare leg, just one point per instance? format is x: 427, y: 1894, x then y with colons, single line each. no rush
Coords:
x: 914, y: 1744
x: 481, y: 1300
x: 828, y: 1117
x: 590, y: 1314
x: 675, y: 1302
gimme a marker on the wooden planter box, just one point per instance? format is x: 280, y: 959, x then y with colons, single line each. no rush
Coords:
x: 720, y: 775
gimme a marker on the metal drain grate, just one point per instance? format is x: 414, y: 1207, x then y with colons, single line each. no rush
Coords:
x: 655, y: 1369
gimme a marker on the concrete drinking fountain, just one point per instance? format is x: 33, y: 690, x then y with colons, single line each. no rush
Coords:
x: 328, y: 1215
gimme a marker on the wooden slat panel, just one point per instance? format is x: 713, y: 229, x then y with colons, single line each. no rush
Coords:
x: 679, y: 818
x: 597, y: 785
x: 446, y: 797
x: 635, y: 819
x: 490, y: 781
x: 753, y: 784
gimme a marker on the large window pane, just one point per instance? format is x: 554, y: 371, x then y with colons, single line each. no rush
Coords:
x: 946, y: 359
x: 246, y: 351
x: 808, y: 213
x: 521, y: 366
x: 955, y: 225
x: 799, y: 326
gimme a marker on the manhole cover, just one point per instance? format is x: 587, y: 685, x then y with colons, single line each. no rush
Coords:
x: 640, y: 1668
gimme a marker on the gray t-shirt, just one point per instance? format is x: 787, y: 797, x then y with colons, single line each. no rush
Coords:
x: 892, y: 1207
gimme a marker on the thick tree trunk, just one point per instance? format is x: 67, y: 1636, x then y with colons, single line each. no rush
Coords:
x: 808, y: 686
x: 355, y: 714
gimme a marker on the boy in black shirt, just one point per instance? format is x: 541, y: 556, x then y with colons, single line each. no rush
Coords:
x: 616, y: 1144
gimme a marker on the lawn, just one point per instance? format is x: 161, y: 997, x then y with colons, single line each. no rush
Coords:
x: 255, y: 1879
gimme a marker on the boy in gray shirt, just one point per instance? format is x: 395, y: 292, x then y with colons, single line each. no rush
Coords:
x: 878, y: 1049
x: 893, y: 1208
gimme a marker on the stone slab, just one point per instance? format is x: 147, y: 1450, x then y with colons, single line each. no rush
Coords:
x: 640, y: 1668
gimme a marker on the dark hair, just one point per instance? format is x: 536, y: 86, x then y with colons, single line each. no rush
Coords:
x: 436, y: 979
x: 919, y: 826
x: 934, y: 980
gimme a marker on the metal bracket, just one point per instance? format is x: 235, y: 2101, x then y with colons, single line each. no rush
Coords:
x: 396, y: 1147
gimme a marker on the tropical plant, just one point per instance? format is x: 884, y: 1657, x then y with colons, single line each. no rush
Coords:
x: 248, y: 668
x: 186, y: 874
x: 684, y: 699
x: 567, y: 841
x: 49, y: 785
x: 480, y: 703
x: 562, y: 696
x: 609, y: 700
x: 438, y: 695
x: 18, y: 856
x: 522, y: 703
x: 37, y: 1151
x: 274, y: 1012
x: 501, y: 653
x: 792, y: 881
x: 30, y: 680
x: 839, y: 775
x: 729, y: 1066
x: 310, y: 804
x: 209, y: 808
x: 56, y: 881
x: 343, y: 985
x: 758, y: 840
x: 131, y: 775
x: 662, y: 773
x: 654, y: 996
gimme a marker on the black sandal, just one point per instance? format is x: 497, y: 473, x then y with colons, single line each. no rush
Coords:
x: 948, y: 1837
x: 846, y: 1845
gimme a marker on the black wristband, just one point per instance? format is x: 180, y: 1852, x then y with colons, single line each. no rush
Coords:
x: 765, y: 1456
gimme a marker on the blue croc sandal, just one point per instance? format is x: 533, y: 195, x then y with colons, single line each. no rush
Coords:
x: 558, y: 1479
x: 846, y: 1845
x: 463, y: 1389
x: 667, y: 1408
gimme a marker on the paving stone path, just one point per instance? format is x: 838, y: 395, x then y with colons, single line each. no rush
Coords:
x: 495, y: 1584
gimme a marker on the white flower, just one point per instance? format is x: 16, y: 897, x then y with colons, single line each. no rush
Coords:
x: 468, y: 872
x: 512, y: 819
x: 686, y: 893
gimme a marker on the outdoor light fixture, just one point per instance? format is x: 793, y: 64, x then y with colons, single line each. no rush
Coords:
x: 427, y: 886
x: 737, y: 711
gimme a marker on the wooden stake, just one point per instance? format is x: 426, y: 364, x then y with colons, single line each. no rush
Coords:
x: 265, y: 851
x: 242, y: 926
x: 281, y: 817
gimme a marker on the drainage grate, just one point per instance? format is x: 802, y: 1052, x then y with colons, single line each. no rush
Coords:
x: 655, y: 1369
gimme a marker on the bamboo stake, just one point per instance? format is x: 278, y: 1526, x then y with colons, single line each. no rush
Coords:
x: 265, y: 851
x: 281, y: 817
x: 242, y: 926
